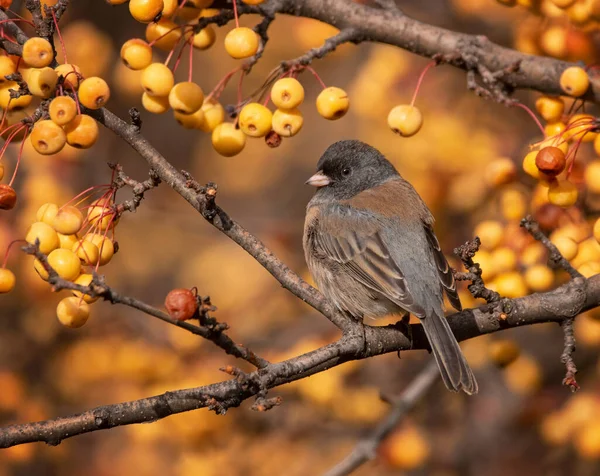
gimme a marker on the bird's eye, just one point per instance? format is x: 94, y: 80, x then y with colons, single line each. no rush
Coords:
x: 346, y: 172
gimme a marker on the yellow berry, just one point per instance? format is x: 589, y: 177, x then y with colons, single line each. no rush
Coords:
x: 533, y: 253
x: 563, y: 3
x: 511, y: 285
x: 539, y: 278
x: 87, y: 252
x: 580, y: 128
x: 566, y: 246
x: 68, y: 220
x: 287, y: 93
x: 155, y: 104
x: 40, y: 270
x: 529, y: 165
x: 287, y: 123
x: 62, y: 110
x: 550, y: 108
x: 67, y: 241
x: 592, y: 176
x: 145, y: 11
x: 554, y: 129
x: 253, y: 2
x: 47, y: 137
x: 190, y: 121
x: 186, y: 97
x: 405, y: 120
x: 71, y: 74
x: 503, y: 352
x: 84, y: 280
x: 169, y: 8
x: 157, y: 80
x: 205, y: 38
x: 214, y: 114
x: 406, y: 449
x: 333, y: 103
x: 227, y: 140
x: 589, y: 269
x: 93, y: 93
x: 10, y: 103
x: 42, y: 82
x: 562, y: 193
x: 7, y: 67
x: 73, y: 311
x: 500, y: 172
x: 46, y: 213
x: 7, y: 280
x: 255, y: 120
x: 503, y: 259
x: 164, y: 34
x: 490, y: 233
x: 136, y: 54
x: 574, y: 81
x: 37, y: 52
x: 65, y: 263
x: 105, y: 246
x: 82, y: 132
x: 513, y: 205
x: 241, y: 42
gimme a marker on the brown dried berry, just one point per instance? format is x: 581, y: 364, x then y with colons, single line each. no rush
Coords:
x: 272, y: 139
x: 549, y: 216
x: 550, y: 161
x: 181, y: 304
x: 8, y: 197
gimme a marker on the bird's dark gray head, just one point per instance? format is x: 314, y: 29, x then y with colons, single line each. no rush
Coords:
x: 349, y: 167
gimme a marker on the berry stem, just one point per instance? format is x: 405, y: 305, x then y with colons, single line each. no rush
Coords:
x: 7, y: 252
x: 220, y: 86
x: 314, y: 73
x: 60, y: 38
x: 14, y: 175
x: 420, y: 81
x: 240, y: 94
x: 191, y: 58
x: 235, y: 14
x: 533, y: 116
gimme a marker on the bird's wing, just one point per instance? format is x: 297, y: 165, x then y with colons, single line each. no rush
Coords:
x: 363, y: 253
x: 444, y: 270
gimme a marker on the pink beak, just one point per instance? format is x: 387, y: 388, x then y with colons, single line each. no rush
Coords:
x: 319, y: 180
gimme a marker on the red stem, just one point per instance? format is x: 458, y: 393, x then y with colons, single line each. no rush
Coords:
x: 420, y: 81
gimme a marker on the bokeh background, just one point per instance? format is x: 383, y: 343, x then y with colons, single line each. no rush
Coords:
x: 522, y: 422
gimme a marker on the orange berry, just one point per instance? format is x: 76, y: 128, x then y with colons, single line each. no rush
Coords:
x: 580, y: 127
x: 214, y: 114
x: 157, y: 80
x: 513, y: 204
x: 84, y: 280
x: 136, y: 54
x: 67, y: 241
x: 165, y: 34
x: 186, y: 97
x: 42, y: 82
x: 65, y: 263
x: 491, y: 234
x: 45, y: 234
x: 105, y: 246
x: 253, y: 2
x: 405, y: 120
x: 511, y: 285
x: 169, y: 8
x: 87, y: 252
x: 155, y: 104
x: 332, y: 103
x: 503, y: 259
x: 68, y: 220
x: 227, y: 140
x: 71, y: 74
x: 145, y: 11
x: 37, y: 52
x: 567, y: 247
x: 73, y: 312
x: 287, y: 93
x: 503, y: 352
x: 562, y: 193
x: 190, y: 121
x: 46, y: 213
x: 47, y: 137
x: 287, y: 123
x: 539, y: 278
x: 10, y: 103
x: 255, y: 120
x: 563, y: 3
x: 241, y: 42
x: 181, y: 304
x: 550, y: 108
x: 592, y: 176
x: 7, y: 67
x: 93, y: 93
x: 500, y: 172
x: 82, y: 132
x: 574, y: 81
x: 8, y: 197
x: 555, y: 129
x: 205, y: 38
x: 550, y: 161
x: 7, y: 280
x: 62, y: 110
x: 101, y: 215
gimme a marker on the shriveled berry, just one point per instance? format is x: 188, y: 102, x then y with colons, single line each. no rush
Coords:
x: 47, y: 137
x: 241, y: 42
x: 136, y: 54
x: 73, y: 312
x: 550, y: 161
x: 227, y: 140
x: 8, y: 197
x: 255, y: 120
x: 333, y: 103
x: 62, y: 110
x: 37, y: 52
x: 82, y: 132
x: 273, y: 140
x: 287, y: 93
x: 93, y: 92
x: 181, y: 304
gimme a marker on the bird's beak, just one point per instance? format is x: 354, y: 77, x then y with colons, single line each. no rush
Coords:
x: 319, y: 180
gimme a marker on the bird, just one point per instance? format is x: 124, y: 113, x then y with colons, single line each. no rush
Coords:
x: 370, y: 247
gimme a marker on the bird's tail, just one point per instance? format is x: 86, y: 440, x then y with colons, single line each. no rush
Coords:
x: 456, y: 373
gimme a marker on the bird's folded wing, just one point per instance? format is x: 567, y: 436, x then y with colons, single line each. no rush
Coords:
x: 362, y: 252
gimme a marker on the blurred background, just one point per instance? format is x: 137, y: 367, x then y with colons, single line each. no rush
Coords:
x: 465, y: 163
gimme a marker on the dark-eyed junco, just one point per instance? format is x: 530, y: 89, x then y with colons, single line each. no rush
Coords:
x: 370, y: 246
